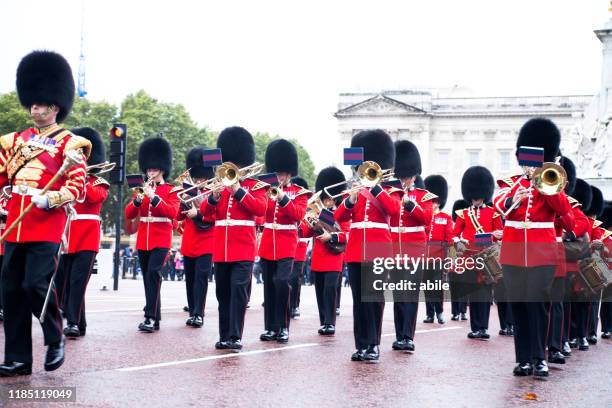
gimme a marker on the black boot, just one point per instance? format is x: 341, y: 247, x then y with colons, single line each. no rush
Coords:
x: 540, y: 368
x: 197, y: 321
x: 55, y: 356
x: 556, y: 357
x: 428, y: 319
x: 72, y: 331
x: 592, y: 338
x: 147, y: 326
x: 606, y: 335
x: 283, y: 336
x: 372, y: 353
x: 14, y: 368
x: 455, y: 317
x: 583, y: 344
x: 573, y: 343
x: 523, y: 370
x: 358, y: 355
x: 567, y: 350
x: 268, y: 335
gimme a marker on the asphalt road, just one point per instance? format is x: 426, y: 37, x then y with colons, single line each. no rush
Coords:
x: 116, y: 366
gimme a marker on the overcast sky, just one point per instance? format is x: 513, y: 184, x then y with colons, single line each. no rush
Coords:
x: 278, y: 66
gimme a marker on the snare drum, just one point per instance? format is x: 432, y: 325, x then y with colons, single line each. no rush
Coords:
x: 492, y: 268
x: 594, y: 273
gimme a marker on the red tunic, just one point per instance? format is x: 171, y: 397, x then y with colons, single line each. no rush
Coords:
x: 156, y: 218
x: 32, y: 176
x: 234, y: 216
x: 529, y: 232
x: 197, y: 237
x: 84, y: 230
x: 465, y: 230
x: 301, y: 251
x: 323, y: 259
x: 369, y: 223
x: 279, y: 238
x: 408, y: 228
x: 440, y: 235
x: 3, y: 213
x: 581, y: 227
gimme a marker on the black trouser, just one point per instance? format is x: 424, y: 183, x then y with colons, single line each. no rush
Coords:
x: 594, y: 315
x: 295, y: 281
x: 151, y: 264
x: 75, y: 271
x: 1, y: 257
x: 504, y: 309
x: 556, y: 315
x: 605, y: 312
x: 276, y: 293
x: 434, y: 299
x: 196, y: 282
x: 580, y: 318
x: 367, y: 316
x: 233, y: 285
x: 326, y: 288
x: 529, y: 289
x: 406, y: 307
x: 459, y: 293
x: 339, y: 290
x: 27, y: 270
x: 480, y: 295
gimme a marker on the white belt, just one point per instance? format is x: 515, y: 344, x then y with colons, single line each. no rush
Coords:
x: 275, y: 226
x: 408, y: 229
x: 369, y: 224
x: 234, y: 223
x: 86, y: 217
x: 155, y: 219
x: 24, y: 190
x: 2, y: 226
x: 306, y: 240
x: 559, y: 239
x: 529, y: 224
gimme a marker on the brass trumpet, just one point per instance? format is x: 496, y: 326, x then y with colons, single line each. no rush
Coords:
x: 549, y: 179
x: 101, y: 168
x: 140, y: 189
x: 368, y: 175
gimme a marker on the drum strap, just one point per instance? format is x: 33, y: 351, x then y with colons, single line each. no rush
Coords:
x: 475, y: 222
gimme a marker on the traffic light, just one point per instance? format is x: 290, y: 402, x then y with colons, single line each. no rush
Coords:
x: 118, y: 149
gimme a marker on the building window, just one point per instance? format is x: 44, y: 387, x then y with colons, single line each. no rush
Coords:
x: 504, y: 160
x: 443, y: 160
x: 473, y: 157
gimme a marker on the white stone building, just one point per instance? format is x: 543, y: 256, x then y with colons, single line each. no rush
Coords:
x: 454, y: 133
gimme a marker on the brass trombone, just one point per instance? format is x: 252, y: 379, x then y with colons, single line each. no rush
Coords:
x: 139, y: 190
x: 101, y: 168
x: 368, y: 175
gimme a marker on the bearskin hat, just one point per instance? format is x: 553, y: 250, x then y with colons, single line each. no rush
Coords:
x: 570, y: 170
x: 377, y: 146
x: 407, y: 159
x: 583, y: 194
x: 459, y: 205
x: 155, y: 153
x: 237, y: 146
x: 195, y: 163
x: 327, y: 177
x: 597, y: 203
x: 419, y: 183
x: 98, y: 152
x: 606, y: 216
x: 281, y: 156
x: 437, y: 185
x: 540, y: 132
x: 300, y: 181
x: 45, y: 77
x: 477, y: 182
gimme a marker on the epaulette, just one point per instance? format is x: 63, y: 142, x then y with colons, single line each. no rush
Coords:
x: 606, y: 234
x: 303, y: 191
x: 508, y: 181
x: 7, y: 140
x: 259, y: 185
x: 75, y: 142
x: 597, y: 223
x: 100, y: 181
x: 573, y: 202
x: 392, y: 190
x: 459, y: 213
x: 428, y: 196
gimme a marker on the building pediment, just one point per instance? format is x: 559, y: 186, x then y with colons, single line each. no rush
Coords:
x: 380, y: 105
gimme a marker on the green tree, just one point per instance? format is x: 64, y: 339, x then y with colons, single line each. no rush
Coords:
x: 13, y: 117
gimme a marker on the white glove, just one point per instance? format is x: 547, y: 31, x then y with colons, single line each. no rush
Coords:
x: 41, y: 201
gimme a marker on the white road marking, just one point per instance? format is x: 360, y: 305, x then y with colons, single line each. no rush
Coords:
x: 429, y: 330
x: 177, y: 309
x: 216, y: 357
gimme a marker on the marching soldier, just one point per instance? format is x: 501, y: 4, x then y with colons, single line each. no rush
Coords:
x: 3, y: 213
x: 327, y: 251
x: 439, y: 239
x: 456, y: 281
x: 83, y: 237
x: 409, y: 237
x: 595, y: 232
x: 301, y: 251
x: 528, y: 253
x: 197, y: 241
x: 29, y: 161
x: 368, y: 210
x: 157, y: 208
x: 576, y: 307
x: 477, y: 187
x: 234, y: 209
x: 606, y: 298
x: 286, y: 208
